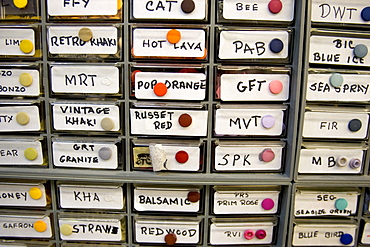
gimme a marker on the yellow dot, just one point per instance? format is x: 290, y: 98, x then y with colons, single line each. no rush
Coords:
x: 26, y: 46
x: 40, y: 226
x: 35, y: 193
x: 22, y: 118
x: 25, y: 79
x: 30, y: 153
x: 107, y: 124
x: 66, y: 229
x: 85, y: 34
x: 20, y: 4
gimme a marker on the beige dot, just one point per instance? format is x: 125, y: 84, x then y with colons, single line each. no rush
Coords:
x: 66, y: 229
x: 85, y: 34
x: 22, y: 118
x: 25, y: 79
x: 107, y: 123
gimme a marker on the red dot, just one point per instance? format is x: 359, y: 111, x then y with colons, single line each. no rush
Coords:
x: 275, y: 6
x: 182, y: 157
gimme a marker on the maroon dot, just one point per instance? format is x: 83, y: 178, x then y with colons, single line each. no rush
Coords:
x: 185, y: 120
x: 170, y: 239
x: 193, y: 196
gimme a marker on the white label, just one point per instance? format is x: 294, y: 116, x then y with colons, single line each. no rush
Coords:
x: 251, y: 44
x: 322, y: 235
x: 244, y: 202
x: 248, y: 122
x: 252, y: 87
x: 355, y: 88
x: 192, y: 164
x: 19, y: 195
x: 12, y: 153
x: 233, y: 233
x: 256, y: 10
x: 8, y: 120
x: 10, y: 40
x: 246, y: 158
x: 338, y: 11
x: 23, y: 226
x: 84, y: 79
x: 157, y: 9
x: 165, y: 122
x: 65, y: 40
x: 334, y: 125
x: 84, y: 116
x: 92, y: 229
x: 180, y: 86
x: 337, y: 50
x: 10, y: 85
x: 155, y: 231
x: 153, y: 43
x: 84, y: 155
x: 97, y: 197
x: 164, y: 200
x: 323, y: 203
x: 366, y: 234
x: 81, y: 7
x: 326, y: 161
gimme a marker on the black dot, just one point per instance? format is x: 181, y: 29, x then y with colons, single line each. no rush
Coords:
x: 354, y: 125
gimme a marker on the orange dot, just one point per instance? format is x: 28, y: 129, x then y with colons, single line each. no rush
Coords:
x: 173, y: 36
x: 160, y: 89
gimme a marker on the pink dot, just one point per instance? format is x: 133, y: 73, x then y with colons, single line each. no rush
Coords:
x: 276, y: 86
x: 268, y: 204
x: 267, y: 155
x: 248, y: 234
x: 275, y: 6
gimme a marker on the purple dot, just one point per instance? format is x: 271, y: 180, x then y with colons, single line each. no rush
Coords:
x: 268, y: 121
x: 268, y: 204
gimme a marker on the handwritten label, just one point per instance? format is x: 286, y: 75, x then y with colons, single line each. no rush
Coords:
x: 338, y: 11
x: 12, y: 152
x: 81, y: 7
x: 65, y: 40
x: 233, y: 233
x: 253, y: 87
x: 187, y: 232
x: 180, y: 86
x: 19, y: 195
x: 153, y: 43
x: 10, y: 85
x: 85, y: 116
x: 256, y: 10
x: 92, y: 229
x: 84, y: 79
x: 166, y: 122
x: 355, y: 88
x: 325, y: 160
x: 10, y: 39
x: 337, y: 50
x: 248, y: 122
x: 164, y: 200
x: 23, y: 226
x: 246, y: 157
x: 319, y: 234
x: 244, y: 202
x: 366, y: 234
x: 84, y: 155
x: 85, y: 196
x: 334, y: 125
x: 312, y: 203
x: 165, y: 9
x: 251, y: 44
x: 8, y: 120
